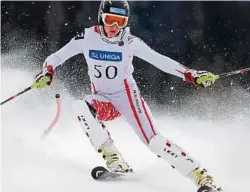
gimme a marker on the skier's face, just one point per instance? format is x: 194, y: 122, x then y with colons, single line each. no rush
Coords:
x: 111, y: 31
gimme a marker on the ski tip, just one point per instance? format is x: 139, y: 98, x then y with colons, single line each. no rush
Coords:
x: 98, y: 171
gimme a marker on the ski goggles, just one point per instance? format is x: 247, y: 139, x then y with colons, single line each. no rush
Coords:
x: 110, y: 20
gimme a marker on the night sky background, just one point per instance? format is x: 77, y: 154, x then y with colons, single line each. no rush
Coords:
x: 212, y: 36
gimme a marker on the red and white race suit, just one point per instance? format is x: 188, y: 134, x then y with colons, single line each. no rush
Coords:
x: 114, y: 90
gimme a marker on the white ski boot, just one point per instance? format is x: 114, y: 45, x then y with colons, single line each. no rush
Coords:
x: 114, y: 159
x: 203, y: 181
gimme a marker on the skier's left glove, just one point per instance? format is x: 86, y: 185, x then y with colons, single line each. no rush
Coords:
x: 44, y: 78
x: 200, y: 78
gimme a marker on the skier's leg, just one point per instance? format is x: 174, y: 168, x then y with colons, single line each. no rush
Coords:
x: 135, y: 110
x: 90, y: 121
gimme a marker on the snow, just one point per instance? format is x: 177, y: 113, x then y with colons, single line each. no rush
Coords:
x: 63, y: 161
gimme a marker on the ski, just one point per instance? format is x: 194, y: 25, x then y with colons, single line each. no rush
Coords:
x: 101, y: 173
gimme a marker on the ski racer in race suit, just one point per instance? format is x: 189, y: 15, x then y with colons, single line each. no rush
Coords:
x: 109, y: 48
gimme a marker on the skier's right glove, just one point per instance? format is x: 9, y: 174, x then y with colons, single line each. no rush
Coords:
x: 43, y: 78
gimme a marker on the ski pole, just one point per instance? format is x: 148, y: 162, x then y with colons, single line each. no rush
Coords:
x: 18, y: 94
x: 58, y: 112
x: 36, y: 85
x: 240, y: 71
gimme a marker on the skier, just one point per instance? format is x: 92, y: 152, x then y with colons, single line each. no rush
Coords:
x: 109, y: 48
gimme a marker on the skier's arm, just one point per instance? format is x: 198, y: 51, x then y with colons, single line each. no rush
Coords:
x: 198, y: 78
x: 72, y: 48
x: 143, y: 51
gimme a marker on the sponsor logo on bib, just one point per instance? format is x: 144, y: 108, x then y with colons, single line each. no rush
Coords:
x: 105, y: 55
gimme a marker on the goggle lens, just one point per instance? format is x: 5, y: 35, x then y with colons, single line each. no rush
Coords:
x: 110, y: 20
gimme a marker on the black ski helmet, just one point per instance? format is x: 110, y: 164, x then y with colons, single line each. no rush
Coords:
x: 113, y: 7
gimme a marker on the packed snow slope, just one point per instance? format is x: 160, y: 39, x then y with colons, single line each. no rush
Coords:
x: 63, y: 161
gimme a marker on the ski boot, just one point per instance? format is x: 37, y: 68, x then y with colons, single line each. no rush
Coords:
x: 203, y: 181
x: 114, y: 160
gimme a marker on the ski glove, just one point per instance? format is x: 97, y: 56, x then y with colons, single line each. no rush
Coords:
x: 200, y: 78
x: 44, y: 78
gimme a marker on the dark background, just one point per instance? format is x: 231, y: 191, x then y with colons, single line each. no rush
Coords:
x: 211, y: 36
